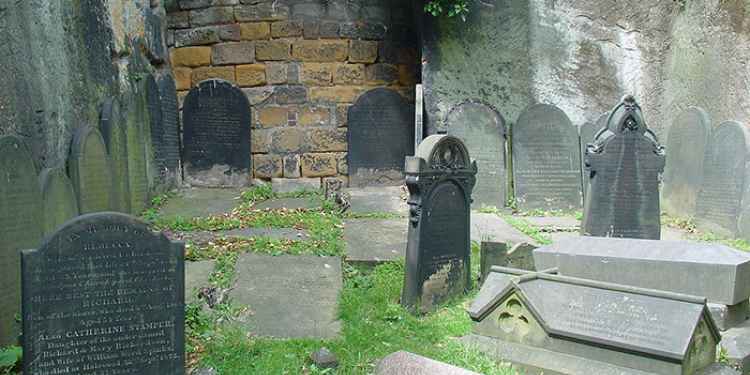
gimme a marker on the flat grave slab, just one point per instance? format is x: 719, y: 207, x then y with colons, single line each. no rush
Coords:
x: 673, y: 234
x: 405, y: 363
x: 290, y: 234
x: 387, y: 199
x: 554, y: 223
x: 292, y: 185
x: 289, y: 296
x: 201, y: 202
x: 560, y: 236
x: 490, y: 227
x: 196, y: 277
x: 736, y: 342
x: 307, y: 203
x: 375, y: 241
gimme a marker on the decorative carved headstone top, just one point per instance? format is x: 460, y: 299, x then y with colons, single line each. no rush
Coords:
x: 440, y: 179
x: 104, y: 286
x: 624, y: 163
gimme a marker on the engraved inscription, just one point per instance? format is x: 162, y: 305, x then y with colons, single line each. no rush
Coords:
x: 157, y: 124
x: 171, y: 122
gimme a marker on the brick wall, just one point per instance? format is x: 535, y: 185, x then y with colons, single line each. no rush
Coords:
x: 301, y: 65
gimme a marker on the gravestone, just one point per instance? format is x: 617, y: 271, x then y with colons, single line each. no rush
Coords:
x: 586, y: 134
x: 136, y: 140
x: 170, y: 113
x: 405, y: 363
x: 418, y: 115
x: 520, y: 256
x: 113, y: 132
x: 90, y: 172
x: 59, y: 202
x: 724, y: 179
x: 546, y: 160
x: 104, y: 294
x: 687, y: 140
x: 482, y: 129
x: 216, y: 135
x: 381, y: 134
x: 156, y: 126
x: 440, y: 178
x: 624, y: 163
x: 21, y: 219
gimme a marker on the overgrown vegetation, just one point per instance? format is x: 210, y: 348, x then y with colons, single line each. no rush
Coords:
x: 450, y: 8
x: 10, y: 360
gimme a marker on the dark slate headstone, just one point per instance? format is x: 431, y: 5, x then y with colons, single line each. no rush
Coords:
x: 156, y: 126
x: 104, y: 294
x: 687, y: 140
x: 381, y: 134
x: 624, y: 163
x: 59, y: 200
x: 156, y: 48
x: 137, y: 139
x: 440, y: 178
x: 170, y: 113
x: 482, y: 129
x: 216, y: 117
x: 546, y: 160
x: 724, y: 179
x: 586, y: 134
x: 21, y: 221
x: 113, y: 132
x: 89, y: 169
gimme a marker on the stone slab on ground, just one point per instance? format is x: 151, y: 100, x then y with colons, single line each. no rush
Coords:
x: 554, y: 223
x: 371, y: 242
x: 196, y: 277
x: 305, y: 203
x: 383, y: 199
x: 289, y: 296
x: 673, y: 234
x: 292, y: 185
x: 490, y: 227
x: 559, y: 236
x: 203, y: 237
x: 736, y: 342
x: 201, y: 202
x: 405, y: 363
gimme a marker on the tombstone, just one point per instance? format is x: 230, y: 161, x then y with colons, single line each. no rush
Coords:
x: 104, y: 287
x: 170, y: 112
x: 724, y: 179
x: 687, y: 141
x: 136, y: 140
x: 546, y: 160
x: 21, y: 221
x: 624, y: 164
x: 216, y: 135
x: 89, y: 169
x: 418, y: 115
x: 482, y: 130
x: 566, y: 325
x: 113, y: 132
x: 520, y: 256
x: 440, y: 178
x: 156, y: 48
x: 381, y: 134
x: 586, y: 134
x: 59, y: 202
x: 156, y: 127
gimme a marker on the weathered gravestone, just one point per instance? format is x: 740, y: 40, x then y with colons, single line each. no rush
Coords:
x: 156, y: 127
x: 170, y: 112
x: 418, y: 115
x: 725, y: 166
x: 482, y: 129
x: 586, y: 134
x: 90, y: 172
x: 104, y: 294
x: 440, y: 178
x: 113, y: 132
x: 576, y: 326
x: 520, y: 256
x: 624, y: 163
x: 546, y: 160
x: 136, y: 140
x: 21, y: 225
x: 381, y: 134
x: 59, y: 202
x: 216, y: 135
x: 687, y: 140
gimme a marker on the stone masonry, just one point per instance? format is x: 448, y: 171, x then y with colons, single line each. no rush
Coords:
x: 301, y: 64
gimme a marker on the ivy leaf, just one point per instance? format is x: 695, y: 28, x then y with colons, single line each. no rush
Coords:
x: 10, y: 356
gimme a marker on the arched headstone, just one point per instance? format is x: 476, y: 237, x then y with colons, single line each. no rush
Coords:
x: 724, y: 179
x: 687, y: 140
x: 216, y: 117
x: 113, y: 132
x: 482, y: 129
x: 586, y: 134
x: 59, y: 200
x: 89, y: 169
x: 440, y: 179
x: 624, y: 162
x: 546, y: 160
x: 381, y: 134
x: 136, y: 140
x: 20, y: 227
x: 170, y: 113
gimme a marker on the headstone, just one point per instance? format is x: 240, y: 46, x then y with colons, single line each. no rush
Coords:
x: 21, y: 225
x: 170, y: 113
x: 59, y: 202
x: 113, y: 132
x: 90, y: 172
x: 520, y: 256
x: 136, y: 140
x: 156, y: 48
x: 546, y: 160
x: 624, y: 164
x: 418, y: 115
x: 586, y: 134
x: 104, y: 294
x: 405, y: 363
x: 381, y: 134
x: 482, y: 129
x: 687, y: 140
x: 440, y: 178
x: 724, y: 179
x: 156, y: 126
x: 216, y: 135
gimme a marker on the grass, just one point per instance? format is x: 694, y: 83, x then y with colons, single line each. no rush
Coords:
x: 522, y: 225
x: 688, y: 225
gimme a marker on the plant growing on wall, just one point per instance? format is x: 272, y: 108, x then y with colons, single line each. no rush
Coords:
x: 451, y: 8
